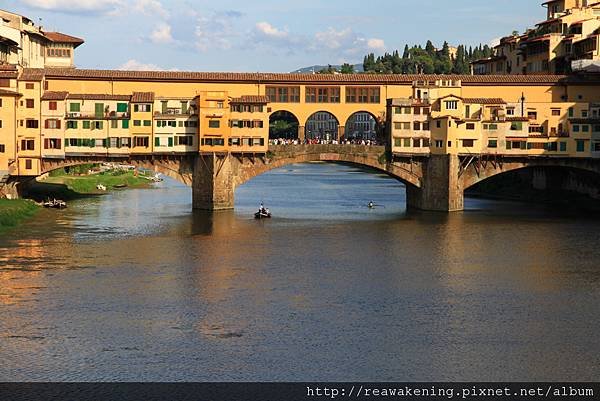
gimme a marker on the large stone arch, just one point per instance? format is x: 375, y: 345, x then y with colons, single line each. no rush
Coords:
x: 373, y: 157
x: 323, y: 129
x: 379, y: 123
x: 179, y: 168
x: 480, y: 170
x: 290, y: 113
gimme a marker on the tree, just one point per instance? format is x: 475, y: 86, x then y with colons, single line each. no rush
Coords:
x: 347, y: 69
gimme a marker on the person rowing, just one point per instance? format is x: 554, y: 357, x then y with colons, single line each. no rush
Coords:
x: 371, y: 205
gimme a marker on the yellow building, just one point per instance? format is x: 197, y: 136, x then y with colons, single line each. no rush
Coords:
x: 176, y: 125
x: 249, y: 123
x: 569, y: 36
x: 25, y: 44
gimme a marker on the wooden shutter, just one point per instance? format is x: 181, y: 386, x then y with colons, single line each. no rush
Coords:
x: 46, y: 143
x: 46, y: 124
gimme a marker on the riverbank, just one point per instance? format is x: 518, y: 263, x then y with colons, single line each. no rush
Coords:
x: 68, y: 187
x: 14, y: 212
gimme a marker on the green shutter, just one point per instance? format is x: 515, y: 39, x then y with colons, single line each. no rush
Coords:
x: 170, y: 141
x: 136, y: 108
x: 164, y: 107
x: 105, y: 143
x: 125, y: 124
x: 156, y: 141
x: 121, y: 107
x: 75, y: 107
x: 147, y: 123
x: 99, y: 110
x: 86, y: 125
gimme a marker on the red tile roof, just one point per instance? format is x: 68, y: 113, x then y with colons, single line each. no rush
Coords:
x: 4, y: 92
x: 484, y: 100
x: 58, y: 37
x: 250, y: 99
x: 7, y: 67
x: 55, y: 95
x: 32, y: 74
x: 358, y: 79
x: 142, y: 97
x: 97, y: 96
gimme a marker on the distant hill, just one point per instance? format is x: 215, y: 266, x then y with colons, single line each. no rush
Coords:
x: 317, y: 68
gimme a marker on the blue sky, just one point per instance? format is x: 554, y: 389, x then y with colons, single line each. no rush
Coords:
x: 267, y: 35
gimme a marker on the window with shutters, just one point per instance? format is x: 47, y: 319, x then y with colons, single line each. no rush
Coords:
x: 74, y: 107
x: 52, y: 124
x: 32, y: 124
x: 122, y: 107
x: 52, y: 143
x: 28, y: 144
x: 2, y: 148
x: 52, y: 106
x: 86, y: 125
x: 71, y: 124
x: 28, y: 164
x: 29, y: 103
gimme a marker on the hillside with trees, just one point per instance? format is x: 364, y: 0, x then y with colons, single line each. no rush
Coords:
x: 428, y: 60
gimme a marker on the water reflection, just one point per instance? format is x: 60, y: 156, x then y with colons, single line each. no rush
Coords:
x: 134, y: 286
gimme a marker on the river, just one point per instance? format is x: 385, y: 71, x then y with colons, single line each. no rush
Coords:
x: 134, y: 286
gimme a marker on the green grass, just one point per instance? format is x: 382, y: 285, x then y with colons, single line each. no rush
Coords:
x: 69, y: 187
x: 87, y: 184
x: 13, y: 212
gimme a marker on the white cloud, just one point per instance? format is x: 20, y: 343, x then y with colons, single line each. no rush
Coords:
x: 150, y: 7
x: 110, y: 7
x: 79, y: 6
x: 134, y: 65
x: 162, y: 34
x: 376, y: 44
x: 269, y: 30
x: 346, y: 42
x: 216, y: 31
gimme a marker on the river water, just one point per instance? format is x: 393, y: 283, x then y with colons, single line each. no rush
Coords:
x: 133, y: 286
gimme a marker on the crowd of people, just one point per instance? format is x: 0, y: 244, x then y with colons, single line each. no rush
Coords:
x: 363, y: 142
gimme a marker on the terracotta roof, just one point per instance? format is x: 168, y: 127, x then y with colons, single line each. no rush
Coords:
x: 484, y: 100
x: 250, y: 99
x: 358, y: 79
x: 517, y: 118
x: 4, y: 92
x: 8, y: 74
x: 7, y: 67
x: 97, y: 96
x: 32, y: 74
x: 142, y: 97
x: 58, y: 37
x: 55, y: 95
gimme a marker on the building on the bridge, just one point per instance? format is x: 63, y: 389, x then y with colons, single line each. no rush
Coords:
x: 175, y: 125
x: 571, y: 32
x: 409, y: 125
x: 24, y: 44
x: 141, y: 127
x: 249, y: 123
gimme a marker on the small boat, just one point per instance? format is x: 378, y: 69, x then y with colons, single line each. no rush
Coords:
x: 121, y: 186
x: 261, y: 214
x: 101, y: 187
x: 55, y: 204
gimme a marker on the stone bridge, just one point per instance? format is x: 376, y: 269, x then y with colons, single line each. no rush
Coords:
x: 433, y: 182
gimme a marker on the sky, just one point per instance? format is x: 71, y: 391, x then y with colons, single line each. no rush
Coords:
x: 267, y: 35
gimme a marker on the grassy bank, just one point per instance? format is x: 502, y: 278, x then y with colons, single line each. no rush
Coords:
x: 62, y: 185
x: 13, y: 212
